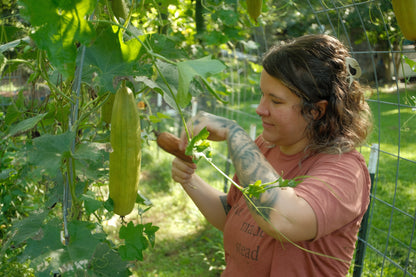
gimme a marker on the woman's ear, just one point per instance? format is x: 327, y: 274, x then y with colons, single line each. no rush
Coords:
x: 320, y: 110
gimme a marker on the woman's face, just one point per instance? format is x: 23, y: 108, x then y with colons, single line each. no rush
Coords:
x: 280, y: 112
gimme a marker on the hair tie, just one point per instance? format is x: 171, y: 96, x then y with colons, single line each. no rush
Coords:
x: 353, y: 69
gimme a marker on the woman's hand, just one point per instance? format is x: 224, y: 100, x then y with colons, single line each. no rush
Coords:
x: 182, y: 171
x: 218, y: 127
x: 209, y: 200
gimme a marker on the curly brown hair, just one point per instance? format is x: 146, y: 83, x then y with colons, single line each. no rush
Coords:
x: 314, y: 68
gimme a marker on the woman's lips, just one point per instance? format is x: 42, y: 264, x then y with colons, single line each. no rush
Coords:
x: 267, y: 125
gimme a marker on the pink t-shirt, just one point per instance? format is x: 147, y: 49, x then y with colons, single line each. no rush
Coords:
x: 339, y: 196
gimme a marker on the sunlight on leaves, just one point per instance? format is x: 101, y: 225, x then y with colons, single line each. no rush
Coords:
x: 130, y: 48
x: 59, y: 26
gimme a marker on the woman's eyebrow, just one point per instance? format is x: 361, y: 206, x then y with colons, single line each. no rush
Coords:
x: 275, y: 96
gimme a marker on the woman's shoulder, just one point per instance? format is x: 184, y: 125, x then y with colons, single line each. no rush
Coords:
x: 347, y: 157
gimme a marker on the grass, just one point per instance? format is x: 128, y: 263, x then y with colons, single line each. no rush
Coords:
x: 392, y: 219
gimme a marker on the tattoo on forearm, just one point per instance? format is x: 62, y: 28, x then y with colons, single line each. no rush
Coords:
x: 250, y: 166
x: 265, y: 204
x: 226, y: 206
x: 249, y: 162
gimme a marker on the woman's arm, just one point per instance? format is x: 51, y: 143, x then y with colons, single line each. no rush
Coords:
x: 211, y: 202
x: 278, y: 211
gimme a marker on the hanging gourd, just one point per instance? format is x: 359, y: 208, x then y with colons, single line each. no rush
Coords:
x: 254, y: 8
x: 405, y: 11
x: 125, y: 156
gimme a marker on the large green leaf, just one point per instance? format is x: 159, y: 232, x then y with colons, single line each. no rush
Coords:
x: 45, y: 243
x: 169, y: 83
x: 109, y: 56
x: 107, y: 262
x: 166, y: 46
x: 28, y: 227
x: 59, y: 26
x: 47, y: 253
x: 82, y: 242
x: 25, y: 125
x: 90, y: 160
x: 137, y: 238
x: 177, y: 78
x: 188, y: 70
x: 91, y: 204
x: 49, y: 150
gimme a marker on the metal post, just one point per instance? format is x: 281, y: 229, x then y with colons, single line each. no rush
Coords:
x: 362, y: 234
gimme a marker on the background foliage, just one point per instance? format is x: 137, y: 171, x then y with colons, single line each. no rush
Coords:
x: 55, y: 215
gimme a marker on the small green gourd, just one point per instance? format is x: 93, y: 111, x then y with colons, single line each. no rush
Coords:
x: 107, y: 108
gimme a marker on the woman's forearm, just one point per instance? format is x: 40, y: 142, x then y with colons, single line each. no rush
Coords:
x: 210, y: 201
x: 250, y: 166
x: 249, y: 162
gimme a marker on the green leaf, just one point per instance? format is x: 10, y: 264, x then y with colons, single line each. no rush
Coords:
x: 254, y: 190
x: 28, y: 227
x: 130, y: 49
x: 82, y: 242
x: 216, y: 38
x: 228, y: 17
x: 166, y: 46
x: 25, y: 125
x: 134, y: 241
x: 59, y: 26
x: 91, y: 204
x: 411, y: 63
x: 141, y: 199
x: 49, y: 150
x: 12, y: 44
x: 188, y: 70
x: 90, y: 158
x: 6, y: 173
x: 107, y: 262
x: 3, y: 62
x: 150, y: 231
x: 170, y: 76
x: 45, y: 244
x: 15, y: 110
x: 48, y: 254
x: 109, y: 57
x: 109, y: 205
x: 199, y: 146
x: 158, y: 118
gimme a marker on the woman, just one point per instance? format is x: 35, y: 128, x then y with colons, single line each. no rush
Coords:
x: 314, y: 116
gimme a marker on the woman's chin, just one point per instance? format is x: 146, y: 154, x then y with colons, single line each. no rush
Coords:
x: 268, y: 139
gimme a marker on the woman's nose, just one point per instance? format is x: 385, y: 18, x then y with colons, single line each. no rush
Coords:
x: 261, y: 109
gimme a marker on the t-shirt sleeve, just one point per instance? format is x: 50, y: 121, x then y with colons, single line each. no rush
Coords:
x: 338, y: 191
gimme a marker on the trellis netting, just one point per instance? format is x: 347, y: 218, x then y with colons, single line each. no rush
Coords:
x: 387, y: 243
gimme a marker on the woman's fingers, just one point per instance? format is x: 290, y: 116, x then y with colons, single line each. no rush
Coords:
x: 182, y: 171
